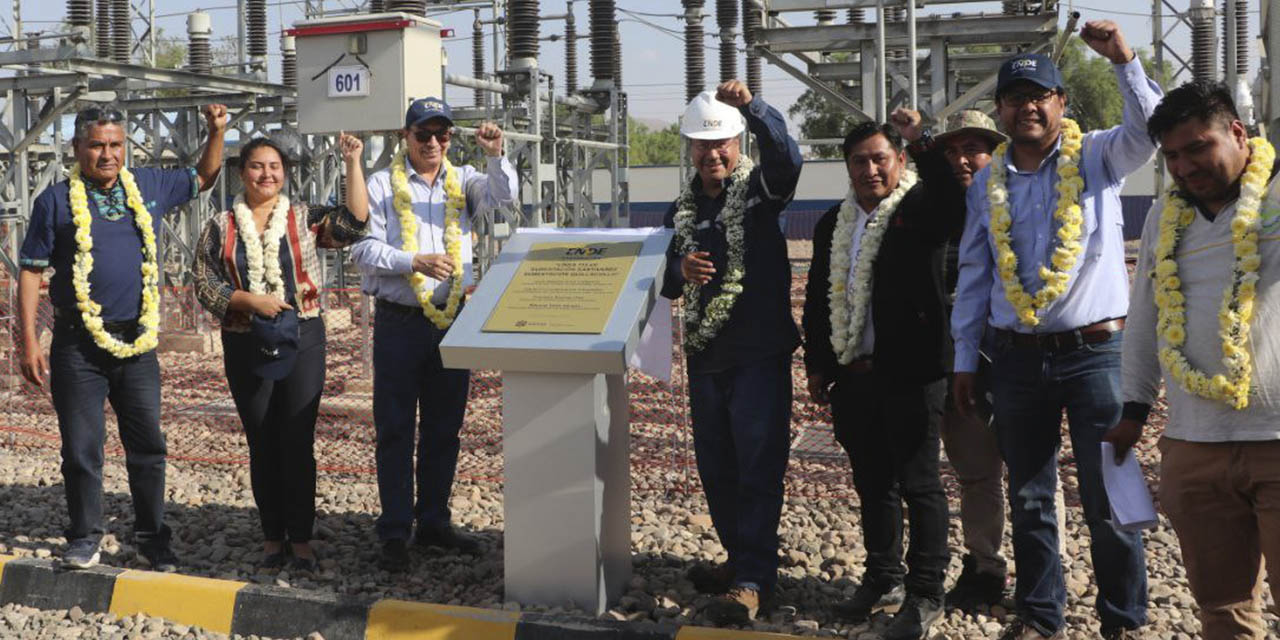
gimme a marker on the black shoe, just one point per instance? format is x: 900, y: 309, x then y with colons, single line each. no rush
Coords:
x: 1120, y: 633
x: 737, y: 607
x: 973, y: 589
x: 710, y: 578
x: 1020, y: 630
x: 273, y: 560
x: 395, y: 556
x: 446, y: 538
x: 303, y: 565
x: 868, y: 599
x: 81, y: 554
x: 160, y: 557
x: 913, y: 619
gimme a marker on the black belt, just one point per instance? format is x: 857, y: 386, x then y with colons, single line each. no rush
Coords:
x: 859, y: 366
x: 73, y: 317
x: 1064, y: 340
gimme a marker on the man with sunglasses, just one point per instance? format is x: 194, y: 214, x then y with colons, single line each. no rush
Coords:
x: 1042, y: 264
x: 85, y: 368
x: 728, y: 261
x: 407, y: 370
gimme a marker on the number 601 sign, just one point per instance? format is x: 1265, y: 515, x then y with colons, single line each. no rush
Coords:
x: 348, y: 82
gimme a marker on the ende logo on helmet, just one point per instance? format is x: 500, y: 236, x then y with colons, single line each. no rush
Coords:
x: 712, y: 124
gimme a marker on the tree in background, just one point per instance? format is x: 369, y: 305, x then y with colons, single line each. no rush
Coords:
x: 653, y: 146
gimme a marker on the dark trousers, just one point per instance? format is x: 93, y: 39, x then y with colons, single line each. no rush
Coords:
x: 409, y: 379
x: 279, y: 418
x: 82, y: 378
x: 742, y: 438
x: 891, y: 435
x: 1031, y: 388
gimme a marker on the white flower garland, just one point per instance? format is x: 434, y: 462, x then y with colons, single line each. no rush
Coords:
x: 90, y: 311
x: 848, y: 318
x: 1070, y: 223
x: 455, y: 202
x: 701, y: 325
x: 1237, y: 297
x: 264, y: 275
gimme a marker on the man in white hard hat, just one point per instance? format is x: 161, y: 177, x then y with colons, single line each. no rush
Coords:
x: 729, y: 261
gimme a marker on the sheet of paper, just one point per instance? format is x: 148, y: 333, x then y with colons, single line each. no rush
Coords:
x: 653, y: 355
x: 1131, y: 506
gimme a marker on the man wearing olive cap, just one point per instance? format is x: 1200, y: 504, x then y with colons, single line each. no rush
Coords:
x: 729, y: 262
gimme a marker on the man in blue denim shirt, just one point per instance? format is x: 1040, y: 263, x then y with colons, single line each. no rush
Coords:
x: 1071, y: 358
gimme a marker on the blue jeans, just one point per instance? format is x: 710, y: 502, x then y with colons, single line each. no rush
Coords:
x: 83, y: 377
x: 742, y: 438
x: 409, y: 380
x: 1031, y: 388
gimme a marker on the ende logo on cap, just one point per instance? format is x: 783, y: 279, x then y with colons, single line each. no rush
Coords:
x: 1026, y: 64
x: 433, y: 105
x: 713, y: 124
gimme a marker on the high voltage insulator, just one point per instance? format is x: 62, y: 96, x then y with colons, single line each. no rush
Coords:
x: 477, y: 55
x: 102, y: 29
x: 1242, y: 37
x: 522, y: 28
x: 727, y: 20
x: 79, y: 13
x: 570, y: 51
x: 1203, y: 65
x: 1012, y: 7
x: 288, y: 62
x: 255, y: 22
x: 199, y: 56
x: 377, y: 6
x: 694, y: 64
x: 751, y: 23
x: 617, y: 59
x: 895, y: 14
x: 121, y: 31
x: 825, y: 16
x: 415, y: 7
x: 604, y: 29
x: 857, y: 15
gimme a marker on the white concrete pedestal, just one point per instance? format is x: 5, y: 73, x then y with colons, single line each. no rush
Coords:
x: 567, y: 492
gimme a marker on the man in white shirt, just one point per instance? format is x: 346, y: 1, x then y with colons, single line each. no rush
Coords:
x: 418, y: 279
x: 1208, y: 243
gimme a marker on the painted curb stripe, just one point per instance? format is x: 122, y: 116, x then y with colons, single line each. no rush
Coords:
x: 4, y: 560
x: 401, y: 620
x: 278, y: 612
x: 202, y: 602
x: 40, y: 584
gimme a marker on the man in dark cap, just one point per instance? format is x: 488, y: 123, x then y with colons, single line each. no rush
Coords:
x: 1042, y: 264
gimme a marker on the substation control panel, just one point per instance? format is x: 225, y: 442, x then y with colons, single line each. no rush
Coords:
x: 360, y: 72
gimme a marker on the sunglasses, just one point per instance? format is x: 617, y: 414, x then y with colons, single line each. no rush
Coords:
x: 97, y: 114
x: 1017, y: 99
x: 442, y: 136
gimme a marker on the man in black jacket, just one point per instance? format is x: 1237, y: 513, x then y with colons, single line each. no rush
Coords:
x: 875, y: 348
x: 728, y: 261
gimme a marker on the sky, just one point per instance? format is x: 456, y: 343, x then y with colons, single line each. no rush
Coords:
x: 651, y: 34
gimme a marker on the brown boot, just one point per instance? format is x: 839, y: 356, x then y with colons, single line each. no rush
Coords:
x: 737, y: 607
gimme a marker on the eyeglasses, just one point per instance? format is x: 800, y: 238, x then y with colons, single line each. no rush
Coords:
x: 442, y: 136
x: 706, y: 145
x: 1018, y: 99
x: 99, y: 114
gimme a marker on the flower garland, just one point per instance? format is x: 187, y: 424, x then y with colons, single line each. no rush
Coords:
x: 90, y: 311
x: 849, y: 309
x: 701, y: 325
x: 264, y: 275
x: 1070, y: 222
x: 455, y: 201
x: 1237, y: 299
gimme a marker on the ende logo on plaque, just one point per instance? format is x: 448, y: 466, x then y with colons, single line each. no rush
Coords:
x: 564, y: 288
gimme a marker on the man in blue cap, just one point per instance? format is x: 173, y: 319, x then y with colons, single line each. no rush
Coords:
x: 416, y: 260
x: 1042, y: 263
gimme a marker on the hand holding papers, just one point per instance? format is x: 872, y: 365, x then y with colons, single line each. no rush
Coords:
x: 1131, y: 506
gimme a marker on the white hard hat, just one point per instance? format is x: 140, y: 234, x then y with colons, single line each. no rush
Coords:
x: 709, y: 119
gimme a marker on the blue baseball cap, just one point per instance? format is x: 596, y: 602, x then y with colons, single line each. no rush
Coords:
x: 424, y: 109
x: 277, y: 344
x: 1032, y: 67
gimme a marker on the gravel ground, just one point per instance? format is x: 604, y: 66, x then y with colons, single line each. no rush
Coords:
x: 217, y: 535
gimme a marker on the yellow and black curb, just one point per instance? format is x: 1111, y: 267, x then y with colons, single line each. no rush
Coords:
x: 242, y: 608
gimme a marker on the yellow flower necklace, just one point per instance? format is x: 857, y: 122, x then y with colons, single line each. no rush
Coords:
x: 1070, y: 222
x: 1233, y: 387
x: 90, y: 311
x: 454, y: 203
